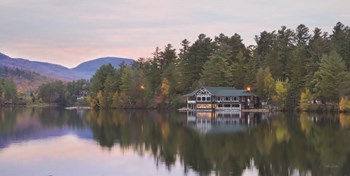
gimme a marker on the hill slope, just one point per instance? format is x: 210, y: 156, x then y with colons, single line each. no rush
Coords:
x: 83, y: 71
x: 45, y: 69
x: 24, y: 80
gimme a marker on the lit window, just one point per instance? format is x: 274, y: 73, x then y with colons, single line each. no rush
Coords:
x: 203, y: 106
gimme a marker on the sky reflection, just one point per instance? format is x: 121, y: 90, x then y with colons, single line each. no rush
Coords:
x: 75, y: 156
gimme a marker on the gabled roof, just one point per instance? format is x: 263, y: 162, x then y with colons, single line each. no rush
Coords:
x: 223, y: 91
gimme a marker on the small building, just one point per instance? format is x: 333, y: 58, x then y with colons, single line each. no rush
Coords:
x: 221, y: 99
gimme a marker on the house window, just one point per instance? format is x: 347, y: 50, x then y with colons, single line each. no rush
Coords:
x: 204, y: 106
x: 208, y: 98
x: 227, y: 105
x: 220, y: 105
x: 234, y: 98
x: 198, y: 98
x: 203, y: 98
x: 227, y: 98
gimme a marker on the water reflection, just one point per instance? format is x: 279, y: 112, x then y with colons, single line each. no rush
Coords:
x: 223, y: 122
x: 207, y: 144
x: 23, y: 124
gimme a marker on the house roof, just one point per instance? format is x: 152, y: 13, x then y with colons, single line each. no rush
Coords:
x: 223, y: 91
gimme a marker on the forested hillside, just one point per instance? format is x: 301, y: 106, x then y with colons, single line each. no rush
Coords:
x: 24, y: 80
x: 287, y: 67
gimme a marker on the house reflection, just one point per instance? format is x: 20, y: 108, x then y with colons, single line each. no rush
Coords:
x: 223, y: 122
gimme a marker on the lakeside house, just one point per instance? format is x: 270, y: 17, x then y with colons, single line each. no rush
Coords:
x: 221, y: 99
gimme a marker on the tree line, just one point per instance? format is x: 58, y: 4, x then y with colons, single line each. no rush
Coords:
x: 286, y: 67
x: 56, y: 93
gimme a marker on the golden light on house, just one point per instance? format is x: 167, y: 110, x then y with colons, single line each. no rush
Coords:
x: 248, y: 89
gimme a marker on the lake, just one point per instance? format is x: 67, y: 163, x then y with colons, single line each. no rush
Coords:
x: 58, y: 142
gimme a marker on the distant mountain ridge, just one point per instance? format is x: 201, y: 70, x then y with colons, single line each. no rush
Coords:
x: 89, y: 68
x: 84, y: 70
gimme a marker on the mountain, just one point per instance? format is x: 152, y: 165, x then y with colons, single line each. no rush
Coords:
x: 83, y: 71
x: 89, y: 68
x: 45, y: 69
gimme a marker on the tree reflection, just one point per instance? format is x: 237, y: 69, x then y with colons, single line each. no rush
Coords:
x: 281, y: 146
x: 284, y: 144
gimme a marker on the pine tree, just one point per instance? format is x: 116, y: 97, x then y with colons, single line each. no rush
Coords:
x: 265, y: 84
x: 198, y: 54
x: 329, y: 76
x: 217, y: 70
x: 341, y: 41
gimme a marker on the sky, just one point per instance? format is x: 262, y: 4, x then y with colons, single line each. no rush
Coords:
x: 69, y: 32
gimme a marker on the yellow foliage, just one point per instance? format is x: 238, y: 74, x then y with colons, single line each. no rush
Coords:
x: 115, y: 100
x: 101, y: 99
x: 281, y: 93
x: 305, y: 99
x: 28, y: 100
x: 165, y: 87
x: 264, y: 141
x: 305, y: 123
x: 165, y: 130
x: 282, y: 133
x: 269, y: 85
x: 344, y: 104
x: 344, y: 120
x: 92, y: 101
x: 21, y: 92
x: 280, y: 88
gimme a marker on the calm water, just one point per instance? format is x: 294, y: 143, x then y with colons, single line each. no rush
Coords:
x: 54, y: 142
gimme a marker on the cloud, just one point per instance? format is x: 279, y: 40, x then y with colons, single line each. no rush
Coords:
x: 42, y: 29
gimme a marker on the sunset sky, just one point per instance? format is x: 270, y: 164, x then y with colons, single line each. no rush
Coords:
x: 69, y: 32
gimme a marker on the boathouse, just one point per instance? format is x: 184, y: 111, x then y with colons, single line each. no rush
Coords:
x: 221, y: 98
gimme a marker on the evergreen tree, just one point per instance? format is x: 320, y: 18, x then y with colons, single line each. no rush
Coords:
x: 103, y: 86
x: 53, y: 93
x: 284, y: 48
x: 297, y: 78
x: 341, y: 41
x: 239, y: 71
x: 8, y: 91
x: 329, y: 76
x: 302, y: 35
x: 318, y: 46
x: 197, y: 55
x: 217, y: 70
